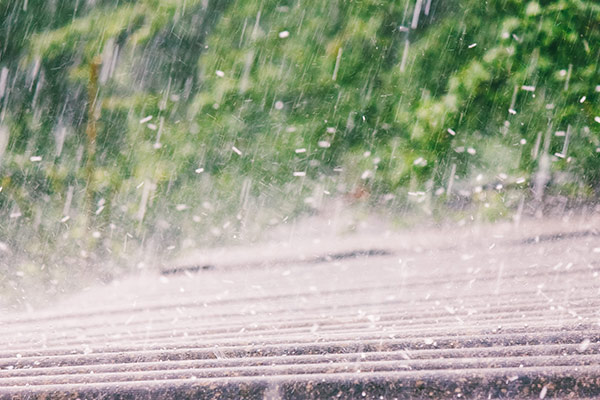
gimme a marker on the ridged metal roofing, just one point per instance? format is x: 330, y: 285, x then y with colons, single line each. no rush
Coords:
x: 490, y: 318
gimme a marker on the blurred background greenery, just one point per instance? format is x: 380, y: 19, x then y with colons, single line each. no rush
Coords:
x: 130, y: 130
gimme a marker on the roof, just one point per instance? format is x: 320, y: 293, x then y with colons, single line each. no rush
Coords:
x: 498, y: 312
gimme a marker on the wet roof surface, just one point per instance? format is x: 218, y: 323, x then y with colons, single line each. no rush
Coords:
x: 500, y: 315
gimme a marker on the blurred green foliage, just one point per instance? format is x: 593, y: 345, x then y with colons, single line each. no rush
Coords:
x: 214, y: 118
